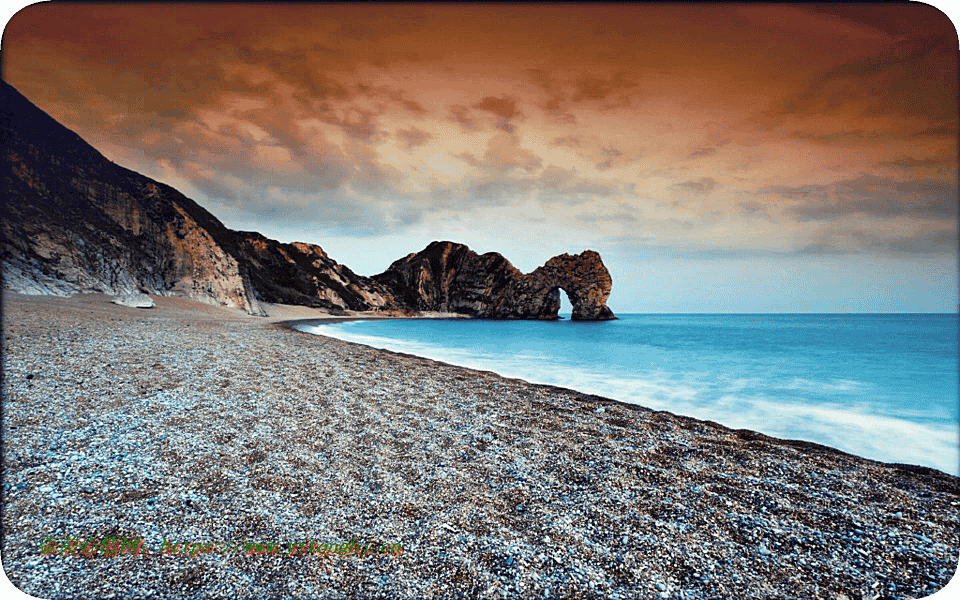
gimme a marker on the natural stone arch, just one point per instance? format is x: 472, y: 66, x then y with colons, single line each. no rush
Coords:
x: 582, y: 277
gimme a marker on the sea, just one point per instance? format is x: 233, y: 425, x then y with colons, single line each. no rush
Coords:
x: 882, y: 386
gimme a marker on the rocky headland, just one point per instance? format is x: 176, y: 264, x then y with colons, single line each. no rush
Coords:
x: 73, y: 221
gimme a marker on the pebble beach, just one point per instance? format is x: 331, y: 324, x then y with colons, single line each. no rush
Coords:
x: 203, y: 424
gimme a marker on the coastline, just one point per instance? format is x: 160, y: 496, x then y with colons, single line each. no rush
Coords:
x: 727, y: 380
x: 292, y: 323
x: 189, y: 420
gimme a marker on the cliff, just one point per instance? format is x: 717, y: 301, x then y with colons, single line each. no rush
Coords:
x: 72, y: 221
x: 451, y: 277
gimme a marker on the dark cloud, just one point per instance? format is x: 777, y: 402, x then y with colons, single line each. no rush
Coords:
x: 821, y: 249
x: 413, y: 137
x: 234, y: 148
x: 280, y: 123
x: 213, y: 188
x: 594, y: 187
x: 593, y: 88
x: 490, y: 184
x: 701, y: 186
x: 556, y: 104
x: 505, y: 108
x: 750, y: 208
x: 383, y: 94
x: 926, y: 239
x: 564, y: 118
x: 685, y: 225
x: 569, y: 142
x: 934, y: 241
x: 342, y: 212
x: 872, y: 195
x: 491, y: 189
x: 704, y: 151
x: 718, y: 253
x: 505, y: 154
x: 914, y: 78
x: 564, y: 186
x: 890, y: 18
x: 364, y: 202
x: 461, y: 114
x: 605, y: 218
x: 853, y: 136
x: 866, y: 136
x: 947, y: 129
x: 414, y: 107
x: 370, y: 176
x: 613, y: 155
x: 555, y: 179
x: 341, y: 186
x: 298, y: 69
x: 470, y: 159
x: 362, y: 127
x: 908, y: 162
x: 841, y: 243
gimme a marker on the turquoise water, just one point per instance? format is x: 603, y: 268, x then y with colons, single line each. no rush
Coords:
x: 882, y: 386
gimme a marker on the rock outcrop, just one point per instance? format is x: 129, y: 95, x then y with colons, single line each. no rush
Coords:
x: 134, y: 300
x: 303, y: 274
x: 449, y: 277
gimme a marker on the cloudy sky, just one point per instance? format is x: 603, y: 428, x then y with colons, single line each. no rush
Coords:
x: 734, y: 158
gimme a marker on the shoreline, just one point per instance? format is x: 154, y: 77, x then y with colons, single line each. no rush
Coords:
x: 292, y: 323
x: 526, y: 378
x: 195, y: 422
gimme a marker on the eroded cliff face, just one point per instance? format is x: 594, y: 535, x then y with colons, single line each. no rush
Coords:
x: 303, y: 274
x: 72, y: 221
x: 450, y: 277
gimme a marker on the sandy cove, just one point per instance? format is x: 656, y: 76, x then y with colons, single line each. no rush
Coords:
x: 203, y: 424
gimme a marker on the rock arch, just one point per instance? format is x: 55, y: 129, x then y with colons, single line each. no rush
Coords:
x: 450, y: 277
x: 585, y: 280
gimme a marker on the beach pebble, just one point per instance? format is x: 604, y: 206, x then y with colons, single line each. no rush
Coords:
x: 250, y: 431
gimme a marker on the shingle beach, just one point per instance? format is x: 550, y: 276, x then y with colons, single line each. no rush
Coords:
x: 195, y: 423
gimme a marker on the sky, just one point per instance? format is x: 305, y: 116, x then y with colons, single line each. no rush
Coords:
x: 721, y: 158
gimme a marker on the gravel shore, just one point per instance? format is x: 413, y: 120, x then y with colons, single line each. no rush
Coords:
x: 201, y: 424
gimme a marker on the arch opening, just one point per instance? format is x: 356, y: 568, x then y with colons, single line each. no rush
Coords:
x: 566, y: 307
